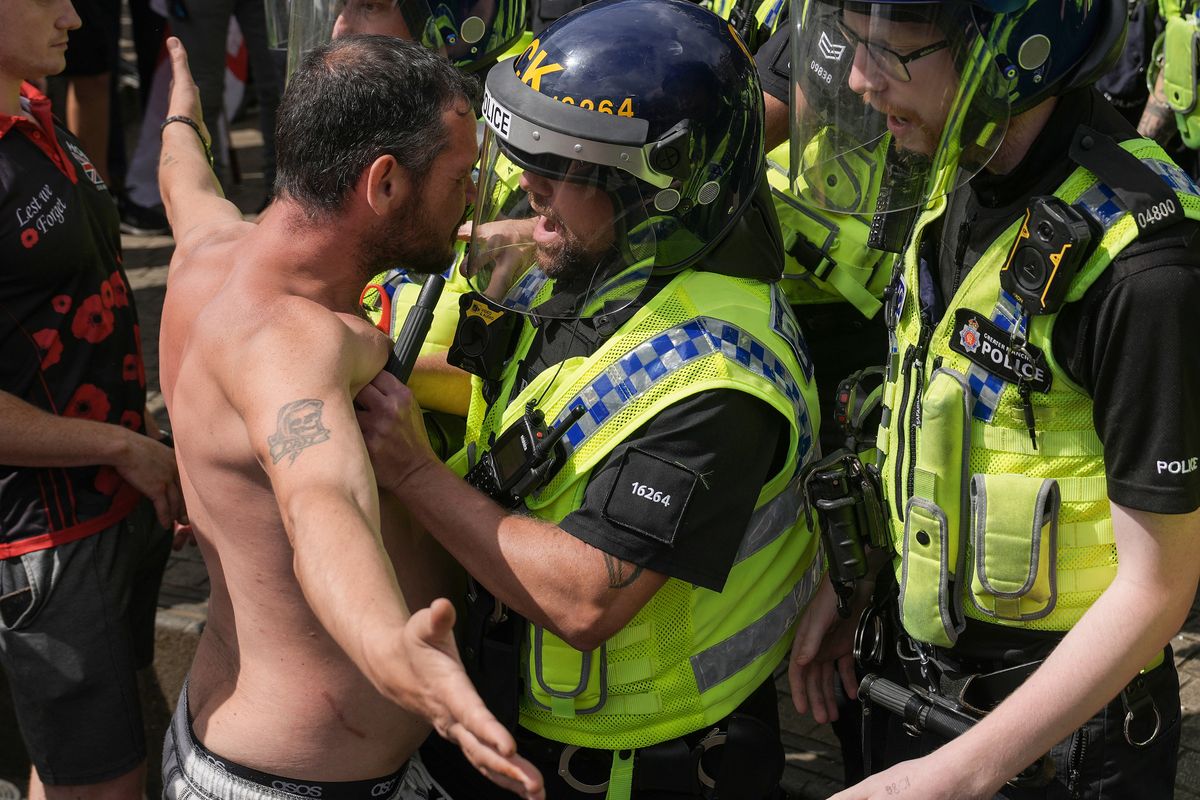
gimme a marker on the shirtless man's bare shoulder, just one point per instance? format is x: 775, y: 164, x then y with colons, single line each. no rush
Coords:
x: 310, y: 655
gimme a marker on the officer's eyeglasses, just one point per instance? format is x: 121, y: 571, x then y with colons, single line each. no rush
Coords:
x: 893, y: 64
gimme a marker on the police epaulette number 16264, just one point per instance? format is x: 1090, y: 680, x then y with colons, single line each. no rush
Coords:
x: 653, y: 495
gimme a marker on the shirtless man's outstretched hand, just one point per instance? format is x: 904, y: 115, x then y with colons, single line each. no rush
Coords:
x: 441, y: 692
x: 261, y: 353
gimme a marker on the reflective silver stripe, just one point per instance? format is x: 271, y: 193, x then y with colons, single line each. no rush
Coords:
x: 725, y: 659
x: 772, y: 519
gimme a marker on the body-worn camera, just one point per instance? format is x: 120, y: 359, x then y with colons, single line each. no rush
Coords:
x: 845, y: 495
x: 483, y: 336
x: 523, y: 458
x: 1054, y: 242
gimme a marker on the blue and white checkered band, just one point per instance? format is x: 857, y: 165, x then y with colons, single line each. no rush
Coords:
x: 400, y: 276
x: 784, y: 322
x: 636, y: 372
x: 1106, y: 208
x: 986, y: 387
x: 521, y: 296
x: 773, y: 14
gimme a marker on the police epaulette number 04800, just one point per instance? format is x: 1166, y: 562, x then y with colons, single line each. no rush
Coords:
x: 654, y: 496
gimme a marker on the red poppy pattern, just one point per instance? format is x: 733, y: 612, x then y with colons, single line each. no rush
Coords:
x: 131, y: 420
x: 61, y: 303
x: 93, y: 322
x: 120, y: 291
x: 106, y: 294
x: 50, y: 347
x: 88, y: 402
x: 108, y: 480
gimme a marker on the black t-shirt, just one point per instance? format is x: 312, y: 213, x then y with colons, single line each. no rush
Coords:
x: 68, y: 328
x: 1124, y: 341
x: 676, y: 496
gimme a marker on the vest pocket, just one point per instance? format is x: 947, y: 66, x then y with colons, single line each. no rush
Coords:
x: 927, y: 603
x: 563, y: 680
x: 1014, y: 532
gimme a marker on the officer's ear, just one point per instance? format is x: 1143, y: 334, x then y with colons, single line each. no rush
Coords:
x: 389, y: 186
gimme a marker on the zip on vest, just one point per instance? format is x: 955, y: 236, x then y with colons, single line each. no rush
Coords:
x: 914, y: 383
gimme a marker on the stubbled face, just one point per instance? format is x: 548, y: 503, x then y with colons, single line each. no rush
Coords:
x: 34, y: 40
x: 421, y: 235
x: 381, y: 17
x: 916, y: 109
x: 574, y: 228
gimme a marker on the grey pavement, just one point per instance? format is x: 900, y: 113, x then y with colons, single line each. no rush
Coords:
x: 813, y: 768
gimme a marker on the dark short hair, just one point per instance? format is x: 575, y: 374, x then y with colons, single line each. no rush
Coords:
x: 354, y: 100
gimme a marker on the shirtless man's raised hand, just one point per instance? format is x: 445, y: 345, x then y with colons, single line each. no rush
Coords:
x: 310, y: 649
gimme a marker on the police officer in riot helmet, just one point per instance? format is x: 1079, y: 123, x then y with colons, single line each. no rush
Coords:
x: 642, y: 407
x: 1036, y: 430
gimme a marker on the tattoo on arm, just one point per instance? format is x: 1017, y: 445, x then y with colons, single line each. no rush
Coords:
x: 299, y: 426
x: 167, y: 159
x: 620, y: 573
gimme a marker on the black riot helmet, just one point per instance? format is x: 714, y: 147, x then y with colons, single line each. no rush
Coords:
x: 473, y: 34
x: 627, y: 140
x: 930, y: 85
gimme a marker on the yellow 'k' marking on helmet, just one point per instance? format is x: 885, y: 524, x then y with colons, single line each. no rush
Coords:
x: 535, y: 71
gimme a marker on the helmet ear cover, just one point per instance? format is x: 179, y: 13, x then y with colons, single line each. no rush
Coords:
x: 671, y: 154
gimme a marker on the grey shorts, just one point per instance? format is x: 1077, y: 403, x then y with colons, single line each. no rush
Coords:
x: 76, y: 623
x: 192, y: 772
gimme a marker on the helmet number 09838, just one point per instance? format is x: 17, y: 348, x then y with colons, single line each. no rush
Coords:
x: 651, y: 494
x: 603, y: 106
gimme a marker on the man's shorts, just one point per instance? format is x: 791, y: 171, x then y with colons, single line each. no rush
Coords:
x: 76, y: 622
x: 192, y: 772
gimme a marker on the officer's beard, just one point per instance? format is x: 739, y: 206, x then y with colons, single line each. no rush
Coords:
x: 567, y: 260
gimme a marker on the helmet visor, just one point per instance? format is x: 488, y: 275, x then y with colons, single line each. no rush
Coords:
x: 412, y: 20
x: 299, y: 26
x: 894, y: 104
x: 555, y: 236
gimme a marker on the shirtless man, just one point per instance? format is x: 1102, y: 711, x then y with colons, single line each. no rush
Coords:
x: 310, y: 645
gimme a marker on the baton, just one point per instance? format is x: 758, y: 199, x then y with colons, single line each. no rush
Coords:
x: 924, y: 714
x: 415, y: 329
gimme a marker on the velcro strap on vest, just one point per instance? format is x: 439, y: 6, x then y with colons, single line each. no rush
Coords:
x: 631, y: 635
x: 1050, y: 443
x: 1086, y: 534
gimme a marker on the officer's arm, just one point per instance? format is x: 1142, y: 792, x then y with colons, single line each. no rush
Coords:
x: 190, y: 191
x: 580, y: 593
x: 1133, y: 620
x: 439, y: 386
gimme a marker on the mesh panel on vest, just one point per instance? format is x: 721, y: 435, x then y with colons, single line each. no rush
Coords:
x: 669, y: 614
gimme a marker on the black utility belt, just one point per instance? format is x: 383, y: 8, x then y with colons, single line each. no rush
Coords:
x: 740, y: 757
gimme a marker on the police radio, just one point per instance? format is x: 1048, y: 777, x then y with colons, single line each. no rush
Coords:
x: 523, y: 458
x: 1054, y: 242
x: 483, y: 336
